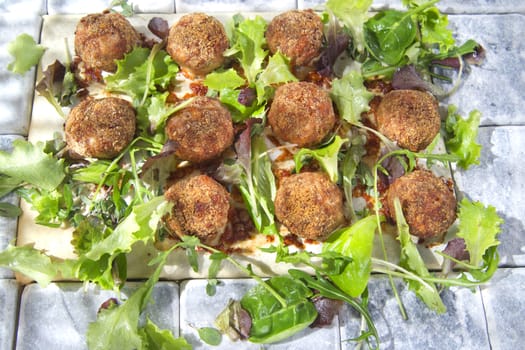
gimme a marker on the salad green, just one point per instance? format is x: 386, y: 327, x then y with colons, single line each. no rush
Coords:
x: 116, y: 205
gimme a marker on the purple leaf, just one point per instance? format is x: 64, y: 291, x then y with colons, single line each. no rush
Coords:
x: 326, y: 310
x: 159, y: 27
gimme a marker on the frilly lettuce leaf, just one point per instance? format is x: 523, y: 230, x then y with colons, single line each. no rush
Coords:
x: 356, y: 242
x: 327, y: 157
x: 479, y: 227
x: 26, y: 53
x: 228, y: 79
x: 460, y: 137
x: 162, y: 339
x: 353, y: 13
x: 277, y: 71
x: 29, y: 163
x: 351, y: 97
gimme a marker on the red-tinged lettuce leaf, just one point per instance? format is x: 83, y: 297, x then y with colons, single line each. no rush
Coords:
x: 29, y: 163
x: 355, y: 242
x: 159, y: 27
x: 460, y: 137
x: 26, y: 53
x: 479, y: 227
x: 351, y: 97
x: 412, y: 261
x: 140, y: 225
x: 118, y: 327
x: 58, y: 86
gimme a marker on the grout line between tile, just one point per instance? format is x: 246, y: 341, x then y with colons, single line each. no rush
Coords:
x: 485, y: 316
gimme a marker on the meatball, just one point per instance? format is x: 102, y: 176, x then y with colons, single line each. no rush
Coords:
x: 409, y: 117
x: 201, y: 131
x: 201, y: 207
x: 100, y: 128
x: 428, y: 204
x: 301, y: 113
x: 102, y: 38
x: 309, y: 205
x: 197, y: 43
x: 296, y: 34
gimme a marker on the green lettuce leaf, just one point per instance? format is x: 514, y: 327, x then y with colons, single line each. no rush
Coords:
x: 117, y: 328
x: 327, y: 157
x: 460, y: 137
x: 8, y: 184
x: 162, y: 339
x: 356, y: 242
x: 353, y: 13
x: 351, y: 97
x: 479, y: 227
x: 29, y: 163
x: 277, y: 71
x: 412, y: 261
x: 228, y: 79
x: 26, y: 53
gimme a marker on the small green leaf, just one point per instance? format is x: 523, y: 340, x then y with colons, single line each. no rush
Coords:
x: 461, y: 135
x: 351, y: 97
x: 26, y: 53
x: 228, y: 79
x: 9, y: 210
x: 210, y: 335
x: 162, y: 339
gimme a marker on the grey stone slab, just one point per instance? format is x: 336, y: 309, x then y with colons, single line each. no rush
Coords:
x: 445, y: 6
x: 23, y: 6
x: 17, y: 91
x: 8, y: 226
x: 9, y: 294
x: 504, y: 300
x: 496, y: 87
x: 211, y: 6
x: 57, y: 317
x: 498, y: 181
x: 55, y: 7
x: 200, y: 310
x: 461, y: 327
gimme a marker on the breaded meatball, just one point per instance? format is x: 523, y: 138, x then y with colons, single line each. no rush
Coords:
x: 309, y: 205
x: 301, y: 113
x: 201, y: 207
x: 409, y: 117
x: 197, y: 43
x: 428, y: 204
x: 102, y: 38
x: 201, y: 131
x: 296, y: 34
x: 100, y: 128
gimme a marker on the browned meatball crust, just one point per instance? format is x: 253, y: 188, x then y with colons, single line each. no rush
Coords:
x: 409, y: 117
x: 301, y: 113
x: 296, y: 34
x: 100, y: 128
x: 428, y: 204
x: 102, y: 38
x: 309, y: 205
x: 201, y: 207
x: 197, y: 43
x: 201, y: 131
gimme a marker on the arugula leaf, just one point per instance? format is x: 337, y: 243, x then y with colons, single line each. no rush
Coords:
x: 412, y: 261
x: 29, y: 163
x: 479, y: 227
x: 26, y: 53
x: 156, y: 338
x: 353, y: 13
x: 460, y: 136
x: 356, y: 242
x: 327, y: 157
x: 277, y: 71
x: 117, y: 328
x: 351, y: 97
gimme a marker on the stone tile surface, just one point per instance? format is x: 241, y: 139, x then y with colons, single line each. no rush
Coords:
x: 17, y: 91
x: 498, y: 181
x: 504, y: 299
x: 7, y: 225
x: 461, y: 327
x: 234, y: 5
x: 81, y: 6
x: 57, y: 317
x: 200, y: 310
x: 496, y: 87
x: 9, y: 290
x: 23, y: 6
